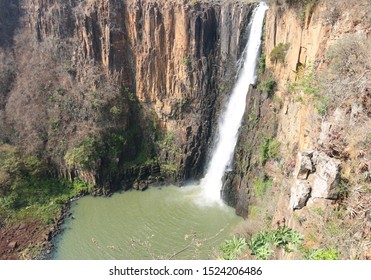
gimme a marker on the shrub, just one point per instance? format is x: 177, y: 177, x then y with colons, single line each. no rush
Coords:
x: 81, y: 187
x: 349, y: 69
x: 262, y: 244
x: 309, y: 84
x: 260, y: 186
x: 83, y: 155
x: 268, y: 86
x: 279, y: 52
x: 262, y: 65
x: 269, y: 149
x: 232, y: 248
x: 186, y: 61
x: 115, y: 110
x: 321, y: 254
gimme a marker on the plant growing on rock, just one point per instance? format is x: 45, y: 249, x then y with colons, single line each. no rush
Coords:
x: 268, y: 86
x: 260, y: 186
x: 279, y: 53
x: 231, y: 249
x: 269, y: 149
x: 263, y: 243
x: 321, y: 254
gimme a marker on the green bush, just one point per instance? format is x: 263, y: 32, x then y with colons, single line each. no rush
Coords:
x: 81, y: 187
x: 84, y: 155
x: 263, y: 243
x: 279, y: 53
x: 307, y: 83
x: 186, y: 61
x: 269, y: 149
x: 268, y: 86
x: 262, y: 65
x: 115, y: 110
x: 321, y: 254
x: 232, y: 248
x: 260, y: 186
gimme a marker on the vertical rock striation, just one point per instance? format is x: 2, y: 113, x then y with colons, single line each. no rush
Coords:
x: 175, y: 60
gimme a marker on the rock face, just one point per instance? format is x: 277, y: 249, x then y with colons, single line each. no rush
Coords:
x: 305, y: 165
x: 258, y: 121
x: 147, y: 77
x: 317, y: 176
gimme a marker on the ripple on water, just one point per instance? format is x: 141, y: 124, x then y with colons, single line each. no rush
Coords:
x: 145, y: 225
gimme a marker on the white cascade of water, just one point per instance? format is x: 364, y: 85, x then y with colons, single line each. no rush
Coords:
x: 231, y: 119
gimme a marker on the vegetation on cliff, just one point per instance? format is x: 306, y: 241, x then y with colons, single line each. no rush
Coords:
x: 321, y: 102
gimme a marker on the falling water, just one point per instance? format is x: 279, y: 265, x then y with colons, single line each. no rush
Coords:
x: 231, y: 119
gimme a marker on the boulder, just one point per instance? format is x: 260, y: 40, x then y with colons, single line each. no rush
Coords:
x: 316, y: 176
x: 304, y: 166
x: 300, y: 194
x: 326, y: 177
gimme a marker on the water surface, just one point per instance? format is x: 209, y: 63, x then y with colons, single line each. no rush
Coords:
x: 160, y: 223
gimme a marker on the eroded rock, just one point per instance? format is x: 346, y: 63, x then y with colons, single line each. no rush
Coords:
x: 327, y: 175
x: 300, y: 194
x: 316, y: 176
x: 305, y: 165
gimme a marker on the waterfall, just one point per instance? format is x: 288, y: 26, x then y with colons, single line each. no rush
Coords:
x: 231, y: 118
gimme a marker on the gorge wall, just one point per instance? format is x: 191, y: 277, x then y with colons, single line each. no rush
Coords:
x: 121, y: 94
x: 114, y: 92
x: 303, y: 156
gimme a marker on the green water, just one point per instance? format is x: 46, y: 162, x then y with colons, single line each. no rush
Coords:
x: 160, y: 223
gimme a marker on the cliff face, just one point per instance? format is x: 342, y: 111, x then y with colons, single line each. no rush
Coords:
x: 140, y: 81
x: 302, y: 158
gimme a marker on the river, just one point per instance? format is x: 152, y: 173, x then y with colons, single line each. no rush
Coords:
x: 160, y: 223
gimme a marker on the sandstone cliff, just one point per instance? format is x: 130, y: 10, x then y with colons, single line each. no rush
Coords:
x: 301, y: 143
x: 140, y: 82
x: 124, y: 93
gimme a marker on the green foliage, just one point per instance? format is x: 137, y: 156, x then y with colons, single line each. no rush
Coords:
x: 10, y: 161
x: 269, y: 149
x: 231, y: 249
x: 182, y: 103
x: 169, y: 138
x: 55, y: 125
x: 33, y: 165
x: 279, y: 52
x: 186, y: 61
x: 268, y: 86
x: 169, y: 168
x: 81, y: 187
x: 260, y: 186
x: 321, y: 254
x: 263, y: 243
x: 115, y: 110
x: 27, y: 193
x: 132, y: 97
x: 262, y: 64
x: 321, y: 104
x: 307, y: 83
x: 84, y: 155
